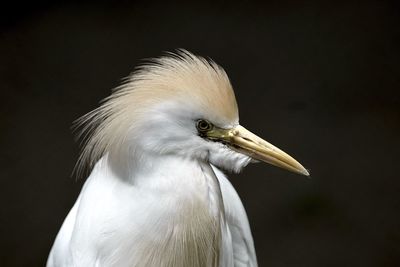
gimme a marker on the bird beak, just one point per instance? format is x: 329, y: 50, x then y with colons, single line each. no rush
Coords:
x: 244, y: 141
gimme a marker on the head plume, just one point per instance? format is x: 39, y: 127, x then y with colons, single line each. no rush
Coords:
x: 179, y: 77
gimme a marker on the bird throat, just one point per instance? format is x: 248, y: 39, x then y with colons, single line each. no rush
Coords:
x: 192, y: 232
x: 196, y: 240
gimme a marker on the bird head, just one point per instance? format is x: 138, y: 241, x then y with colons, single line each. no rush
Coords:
x: 181, y: 105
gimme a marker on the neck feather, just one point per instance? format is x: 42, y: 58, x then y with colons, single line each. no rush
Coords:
x: 192, y: 218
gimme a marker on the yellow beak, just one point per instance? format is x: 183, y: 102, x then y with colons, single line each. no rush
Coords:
x: 244, y: 141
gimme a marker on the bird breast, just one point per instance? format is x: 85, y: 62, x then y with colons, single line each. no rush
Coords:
x: 184, y: 231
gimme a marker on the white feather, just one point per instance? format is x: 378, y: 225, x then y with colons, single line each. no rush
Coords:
x: 154, y: 198
x: 149, y: 221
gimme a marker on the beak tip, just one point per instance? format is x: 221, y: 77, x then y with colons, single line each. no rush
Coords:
x: 305, y: 172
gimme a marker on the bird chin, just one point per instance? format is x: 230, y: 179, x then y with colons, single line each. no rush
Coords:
x: 230, y: 160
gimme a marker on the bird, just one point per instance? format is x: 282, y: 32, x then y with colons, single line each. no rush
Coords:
x: 157, y: 195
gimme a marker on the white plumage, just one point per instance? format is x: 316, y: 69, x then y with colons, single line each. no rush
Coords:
x: 156, y: 196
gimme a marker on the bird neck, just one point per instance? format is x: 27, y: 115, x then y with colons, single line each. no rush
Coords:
x: 141, y: 168
x: 193, y: 211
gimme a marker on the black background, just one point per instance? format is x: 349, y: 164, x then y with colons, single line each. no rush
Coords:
x: 318, y: 79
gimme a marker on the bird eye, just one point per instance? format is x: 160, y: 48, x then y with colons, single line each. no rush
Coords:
x: 203, y: 126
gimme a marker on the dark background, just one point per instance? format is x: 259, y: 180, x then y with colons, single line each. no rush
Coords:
x: 319, y: 79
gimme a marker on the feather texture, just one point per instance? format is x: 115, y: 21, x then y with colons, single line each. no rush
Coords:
x: 181, y: 78
x: 154, y: 196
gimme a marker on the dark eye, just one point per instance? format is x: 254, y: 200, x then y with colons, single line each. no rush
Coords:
x: 203, y: 126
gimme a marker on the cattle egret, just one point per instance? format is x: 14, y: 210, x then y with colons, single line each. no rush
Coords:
x: 156, y: 195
